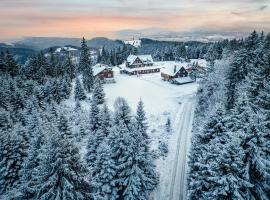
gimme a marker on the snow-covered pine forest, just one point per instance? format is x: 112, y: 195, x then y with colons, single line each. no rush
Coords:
x: 40, y: 149
x: 230, y: 157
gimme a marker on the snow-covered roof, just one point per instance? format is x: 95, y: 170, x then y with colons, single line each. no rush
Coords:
x: 144, y: 58
x: 99, y: 68
x: 65, y: 48
x: 168, y: 67
x: 139, y: 68
x: 201, y: 62
x: 135, y: 43
x: 183, y: 80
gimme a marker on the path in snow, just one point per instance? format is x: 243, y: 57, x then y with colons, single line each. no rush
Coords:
x: 183, y: 124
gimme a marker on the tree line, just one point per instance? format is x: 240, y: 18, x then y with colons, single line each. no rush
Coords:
x: 230, y: 155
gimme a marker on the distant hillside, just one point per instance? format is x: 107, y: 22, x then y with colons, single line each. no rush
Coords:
x: 20, y: 54
x: 40, y: 43
x: 101, y: 41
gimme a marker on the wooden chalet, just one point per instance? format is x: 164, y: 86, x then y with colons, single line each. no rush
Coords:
x: 104, y: 73
x: 177, y: 73
x: 139, y: 64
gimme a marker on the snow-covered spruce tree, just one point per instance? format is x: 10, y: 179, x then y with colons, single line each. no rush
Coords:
x: 241, y: 65
x: 201, y: 144
x: 136, y: 175
x: 106, y: 121
x: 85, y: 67
x: 64, y: 127
x: 29, y: 167
x: 95, y: 120
x: 163, y: 148
x: 84, y: 57
x: 98, y: 93
x: 121, y: 146
x: 141, y: 119
x: 2, y: 62
x: 224, y: 170
x: 145, y: 159
x: 94, y: 140
x: 263, y: 101
x: 10, y: 64
x: 64, y: 87
x: 104, y: 179
x: 122, y: 112
x: 255, y: 143
x: 5, y: 121
x: 95, y: 134
x: 12, y: 153
x: 79, y: 92
x: 61, y: 173
x: 69, y: 67
x: 168, y: 125
x: 88, y: 78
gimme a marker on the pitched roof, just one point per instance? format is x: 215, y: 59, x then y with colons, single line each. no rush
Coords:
x: 99, y: 68
x: 144, y: 58
x: 168, y: 67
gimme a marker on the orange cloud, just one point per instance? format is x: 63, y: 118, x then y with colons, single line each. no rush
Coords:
x: 48, y: 20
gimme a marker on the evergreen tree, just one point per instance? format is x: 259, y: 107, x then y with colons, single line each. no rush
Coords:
x: 85, y: 67
x: 63, y: 126
x: 69, y: 67
x: 2, y: 62
x: 96, y: 134
x: 12, y: 153
x: 29, y: 167
x: 11, y: 65
x: 61, y: 174
x: 122, y: 111
x: 98, y: 93
x: 136, y: 176
x: 88, y: 79
x: 79, y: 92
x: 141, y: 119
x: 106, y: 122
x: 95, y: 121
x: 168, y: 126
x: 104, y: 179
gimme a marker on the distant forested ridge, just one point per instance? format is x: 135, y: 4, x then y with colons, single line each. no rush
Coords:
x: 230, y: 154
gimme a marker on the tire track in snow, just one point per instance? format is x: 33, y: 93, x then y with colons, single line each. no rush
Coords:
x: 177, y: 186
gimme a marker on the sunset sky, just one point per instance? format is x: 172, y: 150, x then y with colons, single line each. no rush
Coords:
x: 92, y: 18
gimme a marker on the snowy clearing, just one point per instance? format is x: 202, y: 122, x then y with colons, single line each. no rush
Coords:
x: 161, y: 100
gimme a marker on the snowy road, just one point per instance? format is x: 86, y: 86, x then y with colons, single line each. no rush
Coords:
x: 183, y: 128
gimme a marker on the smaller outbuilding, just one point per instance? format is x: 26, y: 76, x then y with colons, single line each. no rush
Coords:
x: 177, y: 72
x: 104, y: 73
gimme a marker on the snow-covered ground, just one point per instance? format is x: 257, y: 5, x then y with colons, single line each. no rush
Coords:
x: 159, y: 97
x: 161, y: 100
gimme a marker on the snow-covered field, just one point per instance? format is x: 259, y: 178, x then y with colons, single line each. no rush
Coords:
x: 161, y: 100
x: 159, y: 97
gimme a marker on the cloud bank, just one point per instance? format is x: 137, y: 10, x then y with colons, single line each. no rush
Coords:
x: 92, y: 18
